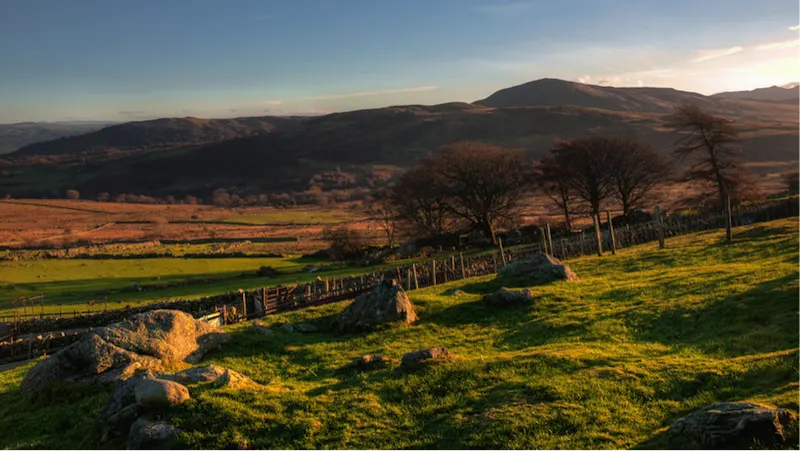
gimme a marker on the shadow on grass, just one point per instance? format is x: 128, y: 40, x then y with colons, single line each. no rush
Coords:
x: 762, y: 319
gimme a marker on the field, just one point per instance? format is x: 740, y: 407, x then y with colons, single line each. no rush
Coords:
x: 607, y: 362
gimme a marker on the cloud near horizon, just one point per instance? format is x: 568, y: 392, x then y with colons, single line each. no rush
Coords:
x: 795, y: 28
x: 779, y: 45
x: 373, y: 93
x: 705, y: 55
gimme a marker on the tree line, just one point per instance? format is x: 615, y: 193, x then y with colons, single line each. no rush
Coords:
x: 479, y: 187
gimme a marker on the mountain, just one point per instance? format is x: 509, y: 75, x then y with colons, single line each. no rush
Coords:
x: 787, y: 93
x: 551, y: 92
x: 14, y: 136
x: 158, y: 133
x: 349, y: 147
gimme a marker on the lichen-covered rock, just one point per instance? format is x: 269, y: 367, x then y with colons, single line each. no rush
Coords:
x: 369, y: 362
x: 234, y: 379
x: 508, y: 298
x: 155, y: 339
x: 169, y: 335
x: 148, y: 434
x: 423, y: 357
x: 160, y: 393
x: 539, y: 269
x: 736, y: 425
x: 208, y: 373
x: 386, y: 304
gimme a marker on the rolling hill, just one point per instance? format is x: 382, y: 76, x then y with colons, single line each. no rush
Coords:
x: 158, y: 133
x: 771, y: 94
x: 399, y: 136
x: 15, y: 136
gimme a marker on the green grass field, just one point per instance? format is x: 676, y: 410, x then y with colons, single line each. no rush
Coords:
x: 608, y: 362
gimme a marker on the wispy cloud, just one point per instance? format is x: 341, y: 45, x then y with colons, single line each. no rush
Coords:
x: 778, y: 45
x: 272, y: 102
x: 705, y: 55
x: 506, y: 9
x: 795, y: 28
x: 373, y: 93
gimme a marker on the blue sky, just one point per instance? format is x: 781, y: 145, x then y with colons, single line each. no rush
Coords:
x: 130, y: 60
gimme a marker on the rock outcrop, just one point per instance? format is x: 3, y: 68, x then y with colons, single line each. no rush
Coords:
x: 147, y: 434
x: 539, y: 269
x: 386, y: 304
x: 508, y: 298
x: 155, y: 393
x: 423, y: 357
x: 737, y: 425
x: 154, y: 340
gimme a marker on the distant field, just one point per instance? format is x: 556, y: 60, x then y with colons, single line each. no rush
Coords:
x: 295, y: 217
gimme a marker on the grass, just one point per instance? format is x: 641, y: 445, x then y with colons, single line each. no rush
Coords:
x: 608, y: 362
x: 288, y: 216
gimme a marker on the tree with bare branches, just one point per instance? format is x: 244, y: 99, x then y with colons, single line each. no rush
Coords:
x: 709, y: 141
x: 484, y: 184
x: 586, y: 161
x: 635, y: 170
x: 417, y: 204
x: 383, y: 210
x: 554, y: 181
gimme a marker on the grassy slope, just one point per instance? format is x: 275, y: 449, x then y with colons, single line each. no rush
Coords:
x: 607, y: 362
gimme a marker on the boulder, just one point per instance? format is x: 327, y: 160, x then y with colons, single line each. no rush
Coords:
x: 260, y: 327
x: 209, y: 373
x: 303, y: 327
x: 386, y: 304
x: 233, y: 379
x: 150, y: 340
x: 539, y: 269
x: 121, y: 409
x: 160, y: 393
x: 736, y: 425
x: 508, y: 298
x: 423, y: 357
x: 148, y: 434
x: 369, y: 362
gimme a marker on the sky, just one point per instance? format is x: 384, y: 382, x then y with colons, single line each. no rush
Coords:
x: 122, y: 60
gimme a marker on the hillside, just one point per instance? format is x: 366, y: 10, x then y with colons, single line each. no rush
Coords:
x: 14, y: 136
x: 158, y: 133
x: 608, y: 362
x: 771, y: 94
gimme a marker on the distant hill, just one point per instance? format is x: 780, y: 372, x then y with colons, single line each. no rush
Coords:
x: 788, y: 94
x: 196, y: 157
x: 551, y: 92
x: 158, y: 133
x: 14, y: 136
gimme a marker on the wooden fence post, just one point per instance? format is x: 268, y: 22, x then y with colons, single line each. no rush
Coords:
x: 433, y: 272
x: 596, y: 220
x: 728, y: 231
x: 244, y: 304
x: 414, y: 270
x: 611, y: 233
x: 502, y: 252
x: 224, y: 314
x: 544, y: 241
x: 461, y: 258
x: 582, y: 249
x: 549, y: 239
x: 408, y: 279
x: 660, y: 226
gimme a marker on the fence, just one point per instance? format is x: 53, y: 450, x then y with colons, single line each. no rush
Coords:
x: 234, y: 307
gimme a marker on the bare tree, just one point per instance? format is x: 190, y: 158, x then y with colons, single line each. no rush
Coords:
x: 554, y: 180
x: 709, y: 141
x: 484, y: 184
x: 587, y: 162
x: 418, y: 204
x: 635, y: 170
x: 384, y: 211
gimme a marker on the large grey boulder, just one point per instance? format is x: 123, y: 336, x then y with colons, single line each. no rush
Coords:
x: 208, y: 373
x: 736, y: 425
x: 154, y: 340
x: 539, y: 269
x: 157, y: 393
x: 384, y: 305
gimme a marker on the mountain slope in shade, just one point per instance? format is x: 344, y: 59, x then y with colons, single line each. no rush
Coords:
x: 551, y: 92
x: 14, y: 136
x: 785, y: 93
x: 158, y: 133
